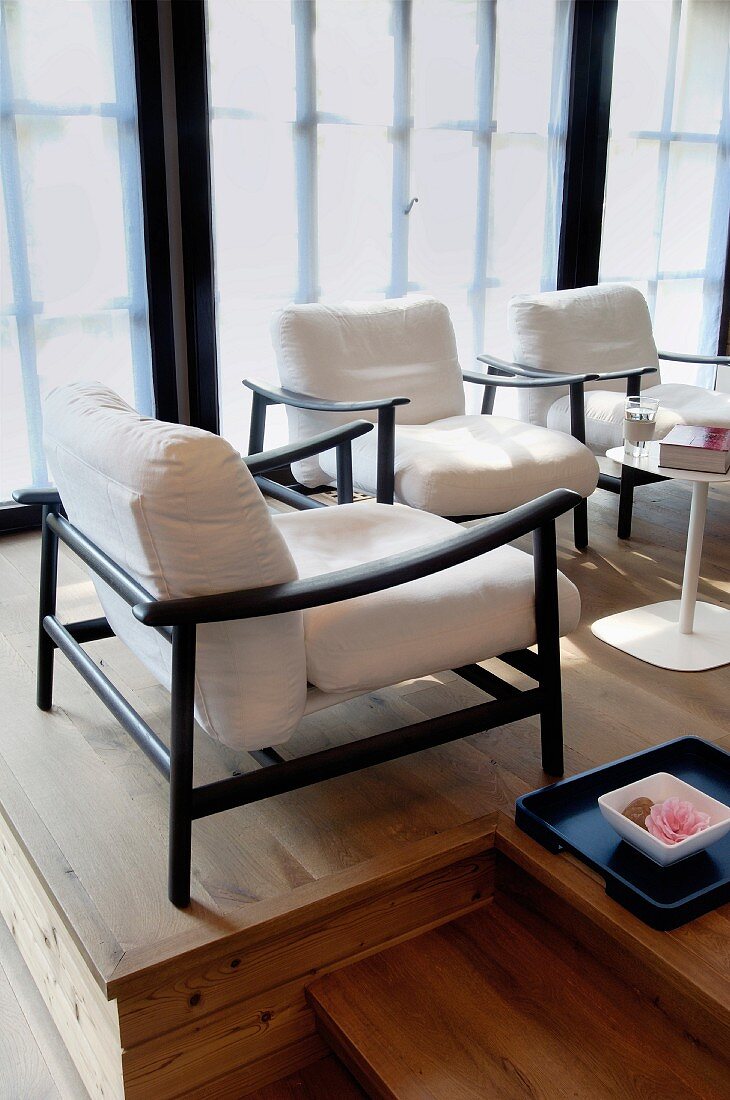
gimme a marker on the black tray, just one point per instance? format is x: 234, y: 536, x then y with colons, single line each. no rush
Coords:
x: 565, y: 816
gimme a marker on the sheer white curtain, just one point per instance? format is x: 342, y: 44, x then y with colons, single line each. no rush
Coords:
x: 668, y: 183
x: 328, y: 119
x: 74, y: 301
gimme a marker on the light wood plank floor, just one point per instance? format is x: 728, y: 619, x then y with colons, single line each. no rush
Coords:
x: 34, y: 1064
x: 94, y: 810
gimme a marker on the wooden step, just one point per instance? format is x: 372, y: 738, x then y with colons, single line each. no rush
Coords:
x: 502, y: 1003
x: 323, y: 1080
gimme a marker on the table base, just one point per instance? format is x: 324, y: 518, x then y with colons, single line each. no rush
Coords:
x: 651, y: 634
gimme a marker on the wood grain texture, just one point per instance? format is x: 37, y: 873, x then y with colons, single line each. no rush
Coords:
x: 249, y: 1003
x: 85, y: 1019
x: 686, y: 969
x: 501, y: 1003
x: 90, y: 812
x: 455, y: 865
x: 23, y: 1069
x: 34, y: 1064
x: 323, y: 1080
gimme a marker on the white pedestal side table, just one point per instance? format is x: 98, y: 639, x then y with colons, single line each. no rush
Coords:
x: 683, y: 635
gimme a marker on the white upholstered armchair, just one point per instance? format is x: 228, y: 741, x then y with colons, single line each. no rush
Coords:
x: 396, y: 363
x: 602, y: 337
x: 253, y: 620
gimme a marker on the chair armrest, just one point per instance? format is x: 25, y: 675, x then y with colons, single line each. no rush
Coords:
x: 294, y: 452
x: 684, y: 357
x: 526, y: 372
x: 528, y: 382
x: 359, y: 580
x: 45, y: 495
x: 276, y: 396
x: 631, y: 372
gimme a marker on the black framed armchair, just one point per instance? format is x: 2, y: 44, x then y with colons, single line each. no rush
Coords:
x: 395, y: 363
x: 231, y: 607
x: 606, y: 330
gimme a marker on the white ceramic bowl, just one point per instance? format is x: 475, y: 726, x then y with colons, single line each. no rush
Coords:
x: 659, y: 787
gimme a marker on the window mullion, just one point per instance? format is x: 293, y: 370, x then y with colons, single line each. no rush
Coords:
x: 127, y: 144
x: 19, y: 265
x: 485, y: 127
x: 557, y: 137
x: 665, y: 144
x: 400, y: 137
x: 717, y: 271
x: 305, y: 146
x: 586, y: 152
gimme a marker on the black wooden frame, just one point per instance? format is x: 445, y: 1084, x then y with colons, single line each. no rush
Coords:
x: 265, y: 395
x: 586, y: 151
x: 190, y: 50
x: 630, y: 477
x: 177, y: 621
x: 151, y: 129
x: 148, y: 87
x: 584, y: 180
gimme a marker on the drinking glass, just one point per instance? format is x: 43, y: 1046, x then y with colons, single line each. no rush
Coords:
x: 639, y: 423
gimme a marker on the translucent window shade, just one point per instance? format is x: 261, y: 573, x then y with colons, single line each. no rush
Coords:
x: 354, y: 53
x: 488, y: 155
x: 251, y: 58
x: 355, y: 70
x: 74, y: 303
x: 61, y: 52
x: 72, y: 187
x: 445, y: 56
x: 354, y: 177
x: 327, y: 118
x: 251, y: 51
x: 668, y: 181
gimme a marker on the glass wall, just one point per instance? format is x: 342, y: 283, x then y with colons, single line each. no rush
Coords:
x: 74, y: 303
x: 668, y: 183
x: 330, y: 119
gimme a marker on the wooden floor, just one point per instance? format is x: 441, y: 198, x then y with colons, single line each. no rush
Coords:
x: 34, y: 1064
x: 503, y: 1003
x: 92, y: 811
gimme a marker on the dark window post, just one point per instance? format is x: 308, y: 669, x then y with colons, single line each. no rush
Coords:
x: 594, y: 30
x: 191, y: 96
x: 145, y: 33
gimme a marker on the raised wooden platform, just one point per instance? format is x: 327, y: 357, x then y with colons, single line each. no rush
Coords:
x: 211, y: 1001
x: 510, y: 1002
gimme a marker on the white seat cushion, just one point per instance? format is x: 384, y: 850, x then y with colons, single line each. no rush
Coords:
x: 474, y: 465
x: 464, y: 614
x: 592, y: 329
x: 404, y: 347
x: 678, y: 404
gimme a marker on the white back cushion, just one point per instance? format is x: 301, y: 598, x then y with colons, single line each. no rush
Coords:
x: 358, y: 351
x: 178, y: 510
x: 593, y: 329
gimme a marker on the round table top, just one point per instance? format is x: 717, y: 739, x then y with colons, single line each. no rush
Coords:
x: 650, y: 463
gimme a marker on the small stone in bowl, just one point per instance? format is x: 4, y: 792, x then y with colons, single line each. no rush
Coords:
x: 638, y: 811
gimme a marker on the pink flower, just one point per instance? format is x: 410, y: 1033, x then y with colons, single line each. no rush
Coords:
x: 675, y: 820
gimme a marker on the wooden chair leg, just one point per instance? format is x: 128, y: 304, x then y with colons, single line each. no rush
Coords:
x: 580, y: 525
x: 181, y: 764
x: 547, y: 619
x: 386, y: 455
x: 46, y: 606
x: 625, y: 503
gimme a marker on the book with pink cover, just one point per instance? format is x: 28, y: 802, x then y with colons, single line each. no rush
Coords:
x: 695, y: 447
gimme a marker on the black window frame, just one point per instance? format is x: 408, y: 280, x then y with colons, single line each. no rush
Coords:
x: 156, y: 234
x: 591, y: 62
x: 591, y: 75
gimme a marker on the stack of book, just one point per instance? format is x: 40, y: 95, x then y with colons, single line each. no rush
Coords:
x: 692, y: 447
